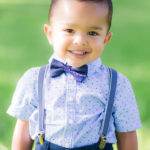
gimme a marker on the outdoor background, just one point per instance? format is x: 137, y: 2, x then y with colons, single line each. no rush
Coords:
x: 23, y: 45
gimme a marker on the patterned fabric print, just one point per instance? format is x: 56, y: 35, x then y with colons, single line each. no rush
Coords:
x: 74, y: 110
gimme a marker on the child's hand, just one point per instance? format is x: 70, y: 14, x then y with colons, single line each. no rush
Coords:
x: 21, y: 137
x: 127, y: 140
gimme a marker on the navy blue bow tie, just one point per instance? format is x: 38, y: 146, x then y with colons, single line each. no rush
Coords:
x: 57, y: 68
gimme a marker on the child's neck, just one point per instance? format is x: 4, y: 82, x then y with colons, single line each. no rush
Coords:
x: 59, y: 59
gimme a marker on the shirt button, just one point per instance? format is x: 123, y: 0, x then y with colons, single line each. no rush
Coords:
x: 70, y: 121
x: 80, y: 110
x: 70, y: 98
x: 71, y: 77
x: 67, y: 145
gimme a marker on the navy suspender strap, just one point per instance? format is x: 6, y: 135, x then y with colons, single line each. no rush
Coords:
x: 41, y: 130
x: 108, y: 107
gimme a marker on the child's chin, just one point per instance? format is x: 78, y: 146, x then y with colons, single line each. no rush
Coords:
x: 75, y: 64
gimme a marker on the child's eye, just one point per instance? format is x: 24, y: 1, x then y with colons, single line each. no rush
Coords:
x: 93, y: 33
x: 69, y: 30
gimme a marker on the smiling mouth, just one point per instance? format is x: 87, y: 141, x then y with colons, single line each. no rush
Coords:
x: 78, y: 53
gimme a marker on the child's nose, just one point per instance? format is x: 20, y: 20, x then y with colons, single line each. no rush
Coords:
x: 80, y: 39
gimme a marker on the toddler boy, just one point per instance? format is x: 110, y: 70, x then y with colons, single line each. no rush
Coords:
x: 74, y: 103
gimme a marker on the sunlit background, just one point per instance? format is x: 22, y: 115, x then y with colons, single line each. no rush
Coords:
x: 23, y: 45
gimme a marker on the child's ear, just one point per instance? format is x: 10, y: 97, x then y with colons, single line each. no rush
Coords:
x: 108, y: 37
x: 48, y: 32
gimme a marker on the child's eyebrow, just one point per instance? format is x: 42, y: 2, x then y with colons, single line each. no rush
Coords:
x: 96, y: 28
x: 92, y: 27
x: 70, y: 24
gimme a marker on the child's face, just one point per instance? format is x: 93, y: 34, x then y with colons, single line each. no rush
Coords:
x: 78, y: 31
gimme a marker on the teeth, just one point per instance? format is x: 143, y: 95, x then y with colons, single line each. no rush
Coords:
x: 78, y: 52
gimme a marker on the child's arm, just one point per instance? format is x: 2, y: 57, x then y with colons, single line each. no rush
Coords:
x: 21, y: 138
x: 127, y: 140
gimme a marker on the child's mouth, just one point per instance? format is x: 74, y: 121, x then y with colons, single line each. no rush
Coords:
x: 79, y: 54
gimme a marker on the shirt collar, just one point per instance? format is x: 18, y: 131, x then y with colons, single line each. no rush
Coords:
x: 92, y: 66
x: 54, y: 56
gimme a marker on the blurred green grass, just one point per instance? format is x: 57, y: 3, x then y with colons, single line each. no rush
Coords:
x: 24, y: 45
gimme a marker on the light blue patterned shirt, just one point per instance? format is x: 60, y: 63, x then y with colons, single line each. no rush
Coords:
x: 74, y: 110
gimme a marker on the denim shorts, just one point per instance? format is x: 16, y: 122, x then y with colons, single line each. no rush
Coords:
x: 50, y: 146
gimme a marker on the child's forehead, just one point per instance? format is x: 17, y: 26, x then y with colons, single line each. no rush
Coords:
x: 75, y: 11
x: 77, y: 5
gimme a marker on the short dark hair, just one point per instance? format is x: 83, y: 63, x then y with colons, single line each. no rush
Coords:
x: 107, y: 2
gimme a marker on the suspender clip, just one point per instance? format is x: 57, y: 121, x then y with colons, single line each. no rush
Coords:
x: 102, y: 142
x: 41, y: 137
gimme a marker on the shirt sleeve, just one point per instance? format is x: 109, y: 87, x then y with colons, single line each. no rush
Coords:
x: 126, y: 114
x: 24, y: 100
